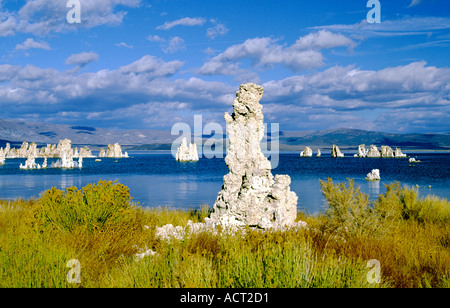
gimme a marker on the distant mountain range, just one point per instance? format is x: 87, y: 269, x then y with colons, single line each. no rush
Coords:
x: 15, y: 132
x: 350, y: 139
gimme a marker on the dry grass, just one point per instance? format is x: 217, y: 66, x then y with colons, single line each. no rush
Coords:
x: 100, y: 226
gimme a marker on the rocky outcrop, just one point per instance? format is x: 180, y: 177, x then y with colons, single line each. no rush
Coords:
x: 307, y: 152
x: 335, y: 152
x: 113, y: 151
x: 251, y: 195
x: 374, y: 175
x: 413, y: 160
x: 398, y: 153
x: 65, y: 152
x: 362, y: 151
x: 186, y: 153
x: 373, y: 152
x: 85, y: 152
x: 387, y: 152
x: 2, y: 156
x: 49, y: 151
x: 30, y: 163
x: 68, y: 162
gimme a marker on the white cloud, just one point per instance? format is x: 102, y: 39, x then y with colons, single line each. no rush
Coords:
x: 346, y: 88
x: 414, y: 3
x: 148, y: 92
x: 7, y: 24
x: 42, y: 17
x: 186, y: 21
x: 174, y: 45
x: 32, y: 44
x: 322, y: 40
x: 155, y: 38
x: 82, y: 59
x: 266, y: 52
x: 397, y: 27
x: 216, y: 31
x: 153, y: 66
x: 123, y: 44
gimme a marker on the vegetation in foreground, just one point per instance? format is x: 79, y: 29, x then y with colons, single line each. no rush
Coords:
x: 101, y: 228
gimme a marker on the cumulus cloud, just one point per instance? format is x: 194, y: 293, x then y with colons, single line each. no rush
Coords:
x: 149, y: 92
x: 405, y: 26
x: 322, y: 40
x: 153, y: 66
x: 386, y: 86
x: 31, y: 43
x: 42, y: 17
x: 31, y: 89
x: 186, y: 21
x: 7, y: 24
x: 174, y: 45
x: 155, y: 38
x: 216, y: 31
x: 362, y: 94
x: 266, y: 52
x: 82, y: 59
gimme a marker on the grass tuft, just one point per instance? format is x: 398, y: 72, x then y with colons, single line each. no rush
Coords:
x: 100, y: 227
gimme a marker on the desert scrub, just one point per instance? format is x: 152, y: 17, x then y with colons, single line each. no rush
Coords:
x: 96, y: 225
x: 101, y: 227
x: 255, y: 260
x: 409, y: 235
x: 348, y: 213
x: 95, y: 207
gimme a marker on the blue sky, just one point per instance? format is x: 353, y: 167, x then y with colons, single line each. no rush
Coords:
x: 148, y: 64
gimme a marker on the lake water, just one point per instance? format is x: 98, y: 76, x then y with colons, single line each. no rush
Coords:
x: 156, y: 179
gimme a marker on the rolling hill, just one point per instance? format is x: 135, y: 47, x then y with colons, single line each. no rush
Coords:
x: 15, y: 132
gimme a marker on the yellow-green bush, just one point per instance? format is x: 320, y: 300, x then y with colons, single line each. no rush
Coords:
x: 97, y: 225
x: 95, y: 207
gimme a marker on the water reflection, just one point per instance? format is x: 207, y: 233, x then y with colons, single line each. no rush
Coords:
x: 374, y: 188
x: 157, y: 180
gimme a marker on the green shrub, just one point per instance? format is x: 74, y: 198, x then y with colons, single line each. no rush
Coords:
x: 348, y: 209
x: 94, y: 207
x: 404, y: 203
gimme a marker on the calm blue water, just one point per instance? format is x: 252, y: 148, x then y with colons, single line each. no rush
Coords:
x: 156, y: 179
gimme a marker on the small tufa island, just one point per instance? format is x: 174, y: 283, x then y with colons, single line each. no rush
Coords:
x: 187, y: 153
x: 113, y: 151
x: 386, y: 152
x: 374, y: 175
x: 62, y: 150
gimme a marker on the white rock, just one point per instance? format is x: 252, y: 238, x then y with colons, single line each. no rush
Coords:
x: 335, y: 152
x: 398, y: 153
x: 374, y: 175
x: 2, y: 156
x: 186, y: 153
x: 387, y: 152
x: 30, y: 163
x: 307, y: 152
x: 373, y: 152
x: 362, y: 151
x: 250, y: 194
x: 113, y: 151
